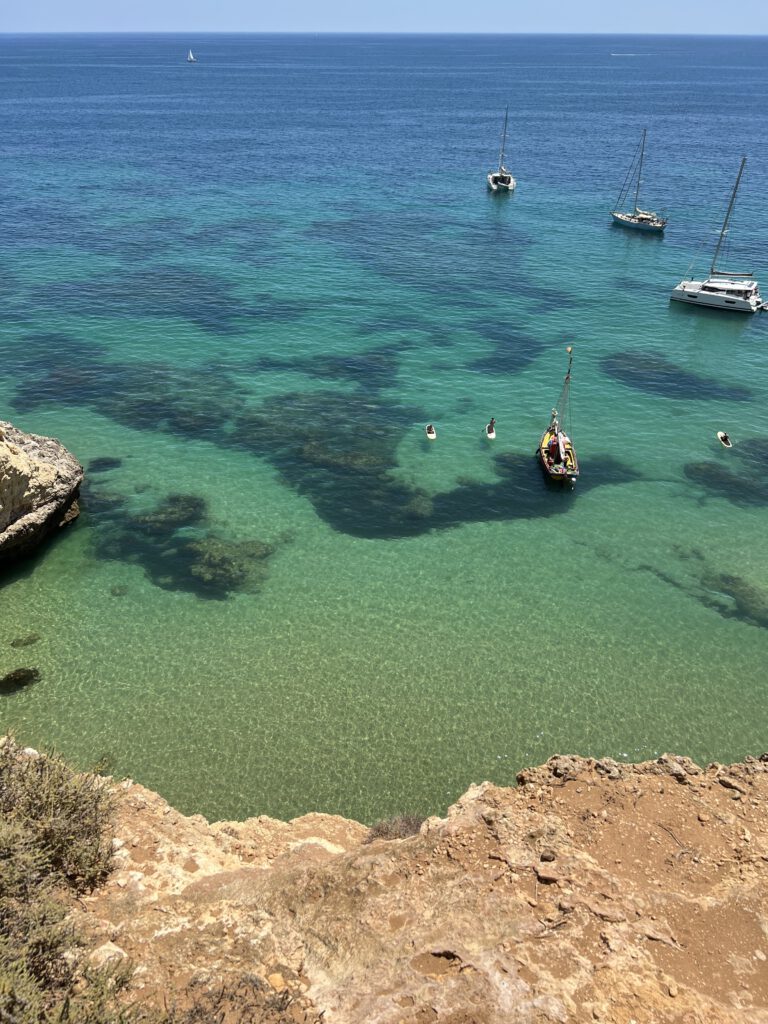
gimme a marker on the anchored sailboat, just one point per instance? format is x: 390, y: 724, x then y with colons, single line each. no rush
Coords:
x: 501, y: 180
x: 556, y: 452
x: 722, y: 289
x: 640, y: 220
x: 191, y: 58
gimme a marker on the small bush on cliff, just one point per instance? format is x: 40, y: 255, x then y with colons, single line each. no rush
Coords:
x: 399, y: 827
x: 248, y: 1000
x: 61, y: 818
x: 55, y: 841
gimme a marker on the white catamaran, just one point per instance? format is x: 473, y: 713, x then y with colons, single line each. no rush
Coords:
x: 722, y: 289
x: 501, y: 180
x: 639, y: 220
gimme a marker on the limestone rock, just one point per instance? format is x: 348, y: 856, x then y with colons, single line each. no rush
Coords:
x: 39, y: 487
x: 589, y: 892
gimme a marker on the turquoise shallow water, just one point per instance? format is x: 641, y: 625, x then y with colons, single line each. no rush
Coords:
x: 252, y: 281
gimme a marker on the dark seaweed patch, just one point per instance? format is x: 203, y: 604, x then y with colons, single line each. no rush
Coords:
x: 740, y: 488
x: 18, y: 679
x: 103, y: 464
x: 340, y: 453
x: 395, y: 322
x: 428, y: 261
x: 25, y: 641
x: 513, y: 350
x: 207, y: 300
x: 372, y: 370
x: 175, y: 546
x: 729, y: 595
x: 191, y: 402
x: 650, y: 371
x: 753, y: 451
x: 745, y: 601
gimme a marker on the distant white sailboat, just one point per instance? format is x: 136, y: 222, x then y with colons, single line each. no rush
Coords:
x: 191, y: 58
x: 501, y: 180
x: 640, y: 220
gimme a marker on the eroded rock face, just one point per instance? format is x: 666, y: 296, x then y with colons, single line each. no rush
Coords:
x: 39, y: 486
x: 594, y: 891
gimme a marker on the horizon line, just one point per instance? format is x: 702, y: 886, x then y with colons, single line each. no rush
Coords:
x: 377, y: 32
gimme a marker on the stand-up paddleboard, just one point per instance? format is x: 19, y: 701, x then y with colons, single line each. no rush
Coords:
x: 430, y: 431
x: 724, y: 440
x: 490, y: 429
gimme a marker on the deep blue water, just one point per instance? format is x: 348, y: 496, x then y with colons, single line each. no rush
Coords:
x: 250, y: 281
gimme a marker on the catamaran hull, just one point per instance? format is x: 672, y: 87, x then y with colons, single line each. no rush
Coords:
x: 625, y: 220
x: 691, y: 292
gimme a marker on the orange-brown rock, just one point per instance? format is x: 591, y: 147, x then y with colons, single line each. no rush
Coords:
x: 591, y: 892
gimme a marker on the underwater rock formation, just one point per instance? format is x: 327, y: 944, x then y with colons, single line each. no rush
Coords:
x: 18, y: 679
x: 39, y: 487
x: 174, y: 544
x: 655, y: 374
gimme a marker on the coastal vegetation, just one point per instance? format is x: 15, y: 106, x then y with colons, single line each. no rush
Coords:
x: 55, y: 845
x: 56, y: 832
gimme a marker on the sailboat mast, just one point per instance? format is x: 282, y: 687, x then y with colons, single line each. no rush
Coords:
x: 727, y: 216
x: 640, y: 171
x: 503, y: 138
x: 562, y: 402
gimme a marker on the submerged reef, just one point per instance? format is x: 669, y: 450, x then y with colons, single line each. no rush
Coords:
x: 726, y: 593
x: 654, y: 373
x: 746, y: 483
x: 176, y: 546
x: 18, y: 679
x: 743, y: 600
x: 166, y: 290
x: 373, y: 370
x: 337, y: 446
x: 513, y: 351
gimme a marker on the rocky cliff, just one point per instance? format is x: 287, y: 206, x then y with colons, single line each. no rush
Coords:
x: 39, y: 488
x: 593, y: 891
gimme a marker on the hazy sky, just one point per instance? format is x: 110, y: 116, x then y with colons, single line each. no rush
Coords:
x: 692, y: 17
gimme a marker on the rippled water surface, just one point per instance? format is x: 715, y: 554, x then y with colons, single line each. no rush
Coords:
x: 237, y: 290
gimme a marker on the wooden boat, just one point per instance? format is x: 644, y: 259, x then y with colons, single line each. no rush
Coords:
x: 556, y: 452
x: 639, y: 220
x: 501, y: 180
x: 723, y: 289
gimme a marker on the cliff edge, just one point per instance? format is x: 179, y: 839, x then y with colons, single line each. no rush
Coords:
x: 39, y: 487
x: 593, y: 891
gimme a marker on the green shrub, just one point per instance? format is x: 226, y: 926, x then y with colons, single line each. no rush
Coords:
x: 65, y: 817
x: 399, y: 827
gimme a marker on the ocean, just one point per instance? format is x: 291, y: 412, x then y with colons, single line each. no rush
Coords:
x: 238, y: 289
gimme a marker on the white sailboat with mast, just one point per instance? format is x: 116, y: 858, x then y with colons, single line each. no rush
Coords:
x: 639, y: 220
x: 191, y: 58
x: 723, y: 289
x: 501, y: 180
